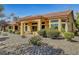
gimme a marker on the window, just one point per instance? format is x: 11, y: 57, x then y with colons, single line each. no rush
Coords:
x: 43, y: 26
x: 10, y: 27
x: 54, y: 20
x: 25, y: 23
x: 16, y: 27
x: 54, y: 26
x: 43, y: 22
x: 34, y: 23
x: 25, y: 28
x: 34, y: 28
x: 63, y: 27
x: 64, y: 20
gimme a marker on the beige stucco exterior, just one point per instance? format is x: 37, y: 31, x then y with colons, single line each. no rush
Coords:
x: 68, y: 24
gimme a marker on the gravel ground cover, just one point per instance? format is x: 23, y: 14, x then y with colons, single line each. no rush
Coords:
x: 68, y: 48
x: 31, y: 50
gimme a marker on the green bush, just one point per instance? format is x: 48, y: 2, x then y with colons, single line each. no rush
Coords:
x: 5, y: 34
x: 17, y: 32
x: 0, y: 32
x: 36, y: 40
x: 53, y: 33
x: 13, y: 32
x: 42, y: 33
x: 76, y: 33
x: 10, y: 31
x: 68, y: 36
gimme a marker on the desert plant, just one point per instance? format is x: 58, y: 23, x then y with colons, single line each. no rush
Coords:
x: 13, y: 32
x: 68, y: 36
x: 5, y: 34
x: 42, y: 33
x: 0, y: 32
x: 53, y: 33
x: 10, y: 31
x: 17, y: 32
x: 36, y: 40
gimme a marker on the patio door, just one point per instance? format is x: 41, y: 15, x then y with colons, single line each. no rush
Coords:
x: 63, y: 27
x: 34, y: 28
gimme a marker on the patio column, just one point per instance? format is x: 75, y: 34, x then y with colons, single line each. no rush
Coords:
x: 22, y: 29
x: 39, y: 25
x: 46, y: 24
x: 59, y: 25
x: 66, y: 27
x: 29, y: 27
x: 49, y: 23
x: 13, y: 28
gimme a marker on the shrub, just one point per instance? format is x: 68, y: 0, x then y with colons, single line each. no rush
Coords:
x: 5, y: 34
x: 17, y: 32
x: 10, y: 31
x: 36, y: 40
x: 76, y: 33
x: 0, y: 32
x: 53, y: 33
x: 68, y: 36
x: 42, y: 33
x: 13, y: 32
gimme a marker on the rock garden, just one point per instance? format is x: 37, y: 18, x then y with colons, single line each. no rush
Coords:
x: 48, y: 42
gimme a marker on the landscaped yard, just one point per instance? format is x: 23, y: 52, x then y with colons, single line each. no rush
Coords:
x: 67, y: 46
x: 15, y: 40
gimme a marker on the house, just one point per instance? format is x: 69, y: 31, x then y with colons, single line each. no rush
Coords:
x: 57, y: 20
x: 3, y: 25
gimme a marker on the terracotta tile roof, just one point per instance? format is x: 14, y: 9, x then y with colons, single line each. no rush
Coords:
x: 61, y: 14
x: 54, y: 14
x: 49, y: 15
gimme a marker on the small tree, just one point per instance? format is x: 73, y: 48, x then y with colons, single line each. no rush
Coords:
x: 14, y: 17
x: 1, y: 8
x: 68, y: 36
x: 77, y: 20
x: 1, y: 13
x: 3, y: 24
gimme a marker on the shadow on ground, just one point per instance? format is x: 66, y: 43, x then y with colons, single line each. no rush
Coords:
x: 4, y: 38
x: 32, y: 50
x: 74, y: 41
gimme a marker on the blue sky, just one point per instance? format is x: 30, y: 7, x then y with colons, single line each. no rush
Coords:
x: 35, y: 9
